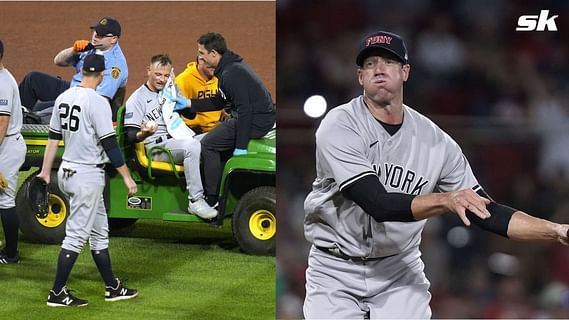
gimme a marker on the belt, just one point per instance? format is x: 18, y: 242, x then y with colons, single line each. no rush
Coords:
x: 337, y: 253
x: 100, y: 165
x: 161, y: 139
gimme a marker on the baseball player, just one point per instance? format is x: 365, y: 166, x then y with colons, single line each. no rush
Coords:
x: 252, y: 108
x: 144, y: 106
x: 198, y: 82
x: 382, y: 168
x: 12, y: 155
x: 82, y: 118
x: 39, y: 90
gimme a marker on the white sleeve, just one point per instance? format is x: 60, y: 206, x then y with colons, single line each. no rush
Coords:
x: 340, y: 152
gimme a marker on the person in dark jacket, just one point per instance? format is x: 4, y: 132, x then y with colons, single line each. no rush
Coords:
x: 252, y: 108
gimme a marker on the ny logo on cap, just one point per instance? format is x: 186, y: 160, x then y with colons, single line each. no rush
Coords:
x: 378, y: 39
x: 103, y: 21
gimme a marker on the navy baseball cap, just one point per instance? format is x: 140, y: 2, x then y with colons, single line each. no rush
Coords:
x: 107, y: 26
x: 94, y: 63
x: 382, y: 40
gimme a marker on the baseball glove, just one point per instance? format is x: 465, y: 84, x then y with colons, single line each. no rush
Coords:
x: 38, y: 196
x: 3, y: 182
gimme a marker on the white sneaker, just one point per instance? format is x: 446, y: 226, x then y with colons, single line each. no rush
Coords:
x: 202, y: 209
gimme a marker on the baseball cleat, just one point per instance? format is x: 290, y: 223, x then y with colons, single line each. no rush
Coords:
x: 201, y: 209
x: 119, y: 292
x: 64, y: 299
x: 5, y: 259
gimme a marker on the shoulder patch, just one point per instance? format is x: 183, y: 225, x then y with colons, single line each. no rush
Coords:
x: 115, y: 72
x: 3, y: 102
x: 128, y: 115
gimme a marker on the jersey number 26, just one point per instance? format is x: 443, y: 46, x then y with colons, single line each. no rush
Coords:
x: 69, y: 117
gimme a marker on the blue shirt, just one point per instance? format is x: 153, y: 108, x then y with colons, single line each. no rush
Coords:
x: 116, y: 71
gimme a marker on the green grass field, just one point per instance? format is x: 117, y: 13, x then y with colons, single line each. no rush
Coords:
x: 182, y: 271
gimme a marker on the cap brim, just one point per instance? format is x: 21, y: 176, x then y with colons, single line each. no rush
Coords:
x: 367, y: 52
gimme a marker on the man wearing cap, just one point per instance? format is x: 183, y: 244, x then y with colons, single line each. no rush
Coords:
x: 39, y: 90
x: 82, y: 119
x: 382, y: 169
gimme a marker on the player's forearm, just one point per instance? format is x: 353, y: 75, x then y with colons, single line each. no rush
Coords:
x: 524, y: 227
x: 429, y: 205
x: 49, y: 156
x: 123, y: 171
x: 65, y: 57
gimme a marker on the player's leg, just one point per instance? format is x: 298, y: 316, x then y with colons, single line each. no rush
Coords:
x: 187, y: 152
x: 12, y: 155
x: 40, y: 86
x: 220, y: 139
x: 99, y: 242
x: 333, y: 286
x: 83, y: 189
x: 398, y: 287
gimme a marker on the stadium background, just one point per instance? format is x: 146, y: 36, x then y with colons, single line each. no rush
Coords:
x: 503, y: 95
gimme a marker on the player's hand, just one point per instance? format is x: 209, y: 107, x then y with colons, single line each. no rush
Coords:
x: 562, y: 231
x: 131, y: 185
x: 3, y: 182
x: 466, y: 199
x: 44, y: 176
x: 224, y: 115
x: 82, y: 45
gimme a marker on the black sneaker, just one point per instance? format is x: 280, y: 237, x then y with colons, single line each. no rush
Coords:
x: 119, y: 292
x: 5, y: 259
x: 64, y: 299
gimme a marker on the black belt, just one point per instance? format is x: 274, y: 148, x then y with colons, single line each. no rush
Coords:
x: 337, y: 253
x: 100, y: 165
x: 162, y: 138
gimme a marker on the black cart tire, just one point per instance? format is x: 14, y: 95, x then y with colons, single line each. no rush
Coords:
x: 49, y: 229
x: 255, y: 222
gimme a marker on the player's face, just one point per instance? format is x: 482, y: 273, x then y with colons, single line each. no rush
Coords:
x: 382, y: 78
x: 158, y: 75
x: 210, y: 58
x: 103, y: 42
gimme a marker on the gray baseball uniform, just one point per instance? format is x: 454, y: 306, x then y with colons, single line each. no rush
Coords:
x: 418, y: 159
x: 83, y: 118
x: 142, y: 106
x: 13, y: 148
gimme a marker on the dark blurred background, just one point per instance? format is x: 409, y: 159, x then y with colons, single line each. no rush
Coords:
x: 503, y: 95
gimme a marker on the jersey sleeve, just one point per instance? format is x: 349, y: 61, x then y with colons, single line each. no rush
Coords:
x: 6, y: 98
x: 101, y: 117
x: 134, y: 113
x: 55, y: 121
x: 340, y: 152
x: 456, y: 172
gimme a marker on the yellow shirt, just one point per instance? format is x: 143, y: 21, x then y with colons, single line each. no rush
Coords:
x: 193, y: 86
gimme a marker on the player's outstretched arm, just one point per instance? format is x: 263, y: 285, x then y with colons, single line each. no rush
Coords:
x: 383, y: 206
x: 524, y: 227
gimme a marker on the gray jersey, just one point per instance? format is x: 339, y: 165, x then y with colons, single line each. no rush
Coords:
x: 13, y: 147
x: 10, y: 104
x: 83, y: 118
x: 418, y: 159
x: 143, y: 106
